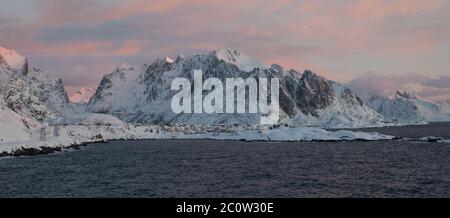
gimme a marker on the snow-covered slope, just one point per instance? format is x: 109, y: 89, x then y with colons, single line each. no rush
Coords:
x: 406, y: 107
x: 13, y: 127
x: 114, y: 89
x: 144, y: 96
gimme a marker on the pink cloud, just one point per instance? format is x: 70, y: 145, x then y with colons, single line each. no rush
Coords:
x: 62, y: 12
x: 338, y: 27
x: 56, y: 12
x: 93, y: 48
x: 364, y: 26
x: 374, y: 10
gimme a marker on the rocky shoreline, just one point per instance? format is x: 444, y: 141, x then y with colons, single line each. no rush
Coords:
x: 43, y: 150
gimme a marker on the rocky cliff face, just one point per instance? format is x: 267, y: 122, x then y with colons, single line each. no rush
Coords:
x: 306, y: 99
x: 32, y: 93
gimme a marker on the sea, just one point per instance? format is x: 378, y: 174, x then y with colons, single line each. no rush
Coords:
x: 216, y: 168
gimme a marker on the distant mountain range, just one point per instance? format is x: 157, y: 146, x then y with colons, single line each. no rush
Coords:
x: 143, y: 95
x: 30, y: 96
x: 405, y: 107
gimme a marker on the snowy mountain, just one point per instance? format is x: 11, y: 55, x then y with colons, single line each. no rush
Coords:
x: 30, y: 92
x: 82, y: 96
x: 11, y: 59
x: 242, y: 61
x: 10, y: 63
x: 406, y: 107
x: 306, y: 99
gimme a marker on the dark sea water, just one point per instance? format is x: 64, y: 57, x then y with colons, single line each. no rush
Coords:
x: 415, y: 131
x: 206, y: 168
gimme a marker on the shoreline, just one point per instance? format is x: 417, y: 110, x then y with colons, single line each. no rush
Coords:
x: 75, y: 137
x: 44, y: 150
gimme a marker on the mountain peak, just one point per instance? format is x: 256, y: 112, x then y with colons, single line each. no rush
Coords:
x: 277, y: 68
x: 125, y: 66
x: 405, y: 94
x: 82, y: 96
x: 181, y: 56
x: 309, y: 75
x: 227, y: 52
x: 242, y: 61
x: 169, y: 60
x: 12, y: 58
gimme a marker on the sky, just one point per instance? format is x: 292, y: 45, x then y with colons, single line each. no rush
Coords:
x: 377, y: 45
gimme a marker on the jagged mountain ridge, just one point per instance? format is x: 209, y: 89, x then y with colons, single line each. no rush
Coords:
x: 28, y: 91
x: 143, y: 96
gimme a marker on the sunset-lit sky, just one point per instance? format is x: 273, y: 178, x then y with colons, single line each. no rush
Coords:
x: 385, y: 44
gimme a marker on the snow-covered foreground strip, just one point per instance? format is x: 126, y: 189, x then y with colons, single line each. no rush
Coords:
x: 291, y: 134
x: 73, y: 136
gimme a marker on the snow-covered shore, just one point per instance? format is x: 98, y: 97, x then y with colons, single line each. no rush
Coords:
x: 58, y: 137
